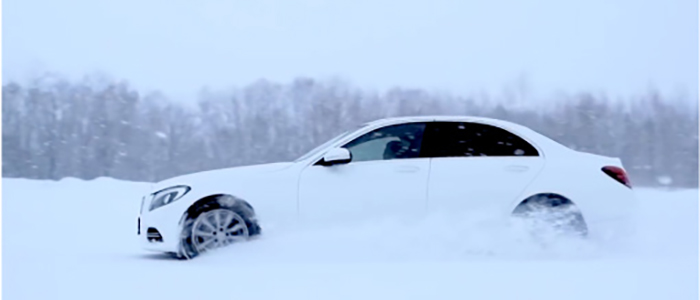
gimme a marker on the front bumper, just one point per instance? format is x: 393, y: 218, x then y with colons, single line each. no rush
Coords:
x: 159, y: 230
x: 157, y: 238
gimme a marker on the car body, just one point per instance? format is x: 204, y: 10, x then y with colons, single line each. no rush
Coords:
x: 399, y: 166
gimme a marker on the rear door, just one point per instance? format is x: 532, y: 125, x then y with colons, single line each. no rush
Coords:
x: 477, y: 166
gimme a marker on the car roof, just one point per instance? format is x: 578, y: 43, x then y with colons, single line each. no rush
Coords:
x: 442, y: 118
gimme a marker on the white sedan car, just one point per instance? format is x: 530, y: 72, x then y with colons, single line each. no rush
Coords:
x: 408, y: 165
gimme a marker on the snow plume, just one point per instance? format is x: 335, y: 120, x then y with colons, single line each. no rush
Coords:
x: 441, y: 236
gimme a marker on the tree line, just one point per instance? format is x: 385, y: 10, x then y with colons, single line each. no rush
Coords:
x: 55, y: 128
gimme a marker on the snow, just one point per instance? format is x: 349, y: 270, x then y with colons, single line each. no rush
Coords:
x: 75, y: 239
x: 665, y: 180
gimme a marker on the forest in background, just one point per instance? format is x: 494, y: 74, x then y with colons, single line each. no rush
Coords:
x: 55, y: 128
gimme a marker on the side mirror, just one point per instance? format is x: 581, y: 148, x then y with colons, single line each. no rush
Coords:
x: 336, y: 156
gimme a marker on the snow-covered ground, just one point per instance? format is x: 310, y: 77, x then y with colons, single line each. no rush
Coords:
x: 76, y: 240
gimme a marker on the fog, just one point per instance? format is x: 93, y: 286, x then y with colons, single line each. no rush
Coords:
x: 538, y: 48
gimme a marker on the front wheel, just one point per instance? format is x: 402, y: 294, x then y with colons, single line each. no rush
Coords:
x: 212, y: 229
x: 217, y: 228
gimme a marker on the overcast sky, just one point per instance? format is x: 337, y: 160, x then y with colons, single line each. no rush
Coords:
x: 618, y: 46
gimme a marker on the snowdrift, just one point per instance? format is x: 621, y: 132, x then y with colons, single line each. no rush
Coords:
x: 75, y: 239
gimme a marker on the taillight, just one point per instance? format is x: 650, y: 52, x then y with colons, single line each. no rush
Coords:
x: 618, y: 174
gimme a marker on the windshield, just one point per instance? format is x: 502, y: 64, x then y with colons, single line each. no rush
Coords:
x: 315, y: 151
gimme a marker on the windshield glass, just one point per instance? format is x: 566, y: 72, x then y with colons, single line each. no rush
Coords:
x: 315, y: 151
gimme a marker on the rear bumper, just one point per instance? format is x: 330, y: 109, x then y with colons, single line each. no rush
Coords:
x: 612, y: 230
x: 614, y: 216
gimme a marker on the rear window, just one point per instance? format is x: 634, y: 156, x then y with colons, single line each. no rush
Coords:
x: 465, y: 139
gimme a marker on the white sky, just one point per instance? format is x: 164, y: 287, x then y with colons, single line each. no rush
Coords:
x: 617, y: 46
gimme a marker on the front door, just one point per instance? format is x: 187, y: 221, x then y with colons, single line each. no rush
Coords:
x: 386, y: 176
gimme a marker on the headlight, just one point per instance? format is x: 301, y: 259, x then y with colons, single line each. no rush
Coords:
x: 168, y: 195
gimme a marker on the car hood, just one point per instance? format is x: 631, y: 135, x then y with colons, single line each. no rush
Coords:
x: 207, y: 177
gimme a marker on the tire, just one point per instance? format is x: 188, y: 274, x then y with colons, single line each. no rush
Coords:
x: 554, y: 213
x: 216, y: 223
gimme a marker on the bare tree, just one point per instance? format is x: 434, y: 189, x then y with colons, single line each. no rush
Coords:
x: 53, y: 128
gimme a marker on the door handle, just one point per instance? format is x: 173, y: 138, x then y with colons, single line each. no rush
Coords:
x: 407, y: 169
x: 517, y: 168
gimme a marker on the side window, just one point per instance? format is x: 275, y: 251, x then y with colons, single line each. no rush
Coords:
x: 391, y: 142
x: 450, y: 139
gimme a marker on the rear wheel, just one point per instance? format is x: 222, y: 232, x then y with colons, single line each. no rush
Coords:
x: 553, y: 213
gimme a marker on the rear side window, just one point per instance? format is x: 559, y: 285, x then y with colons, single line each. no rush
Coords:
x: 464, y: 139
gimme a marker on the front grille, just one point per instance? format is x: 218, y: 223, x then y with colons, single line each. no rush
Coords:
x: 153, y: 235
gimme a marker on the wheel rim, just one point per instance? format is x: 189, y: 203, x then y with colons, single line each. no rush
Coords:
x: 217, y: 228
